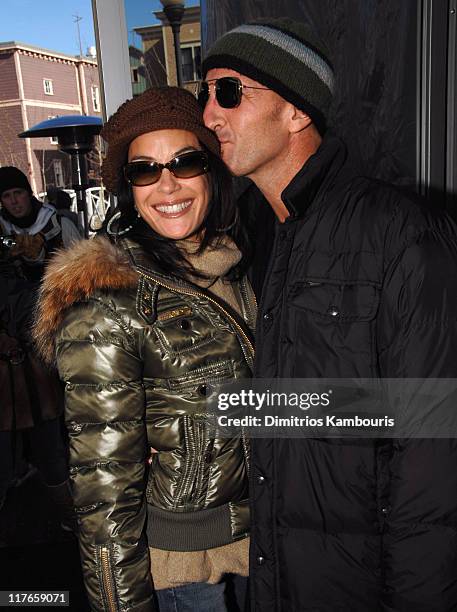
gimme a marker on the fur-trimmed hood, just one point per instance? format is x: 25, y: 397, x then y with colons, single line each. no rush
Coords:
x: 73, y: 275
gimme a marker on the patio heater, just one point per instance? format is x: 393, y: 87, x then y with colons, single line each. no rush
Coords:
x: 75, y: 135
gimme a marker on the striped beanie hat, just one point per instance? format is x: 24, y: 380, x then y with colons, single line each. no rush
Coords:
x: 283, y: 55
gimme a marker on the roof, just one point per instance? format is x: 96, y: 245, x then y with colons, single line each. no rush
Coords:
x: 12, y: 44
x: 191, y: 14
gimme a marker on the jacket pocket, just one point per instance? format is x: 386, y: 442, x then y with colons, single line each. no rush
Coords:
x: 336, y: 300
x: 199, y: 378
x: 333, y: 327
x: 181, y: 329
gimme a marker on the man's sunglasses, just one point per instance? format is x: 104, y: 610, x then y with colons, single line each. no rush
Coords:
x: 228, y: 91
x: 187, y: 165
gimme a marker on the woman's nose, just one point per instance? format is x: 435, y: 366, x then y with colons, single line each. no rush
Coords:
x: 167, y: 182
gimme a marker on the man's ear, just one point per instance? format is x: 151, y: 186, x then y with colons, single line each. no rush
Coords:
x: 299, y: 120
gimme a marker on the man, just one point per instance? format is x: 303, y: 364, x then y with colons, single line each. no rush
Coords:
x: 31, y: 395
x: 61, y: 201
x: 36, y: 227
x: 361, y: 283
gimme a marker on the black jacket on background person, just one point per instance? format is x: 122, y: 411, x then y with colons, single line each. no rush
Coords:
x: 362, y: 282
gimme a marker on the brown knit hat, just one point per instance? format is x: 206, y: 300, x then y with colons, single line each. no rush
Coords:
x: 158, y: 108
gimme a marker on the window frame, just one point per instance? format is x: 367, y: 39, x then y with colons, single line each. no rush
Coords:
x: 95, y: 95
x: 193, y: 46
x: 57, y: 168
x: 51, y: 87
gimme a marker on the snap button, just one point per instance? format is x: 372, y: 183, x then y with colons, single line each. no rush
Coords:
x: 333, y: 311
x: 267, y: 316
x: 184, y: 324
x: 260, y: 560
x: 386, y: 509
x: 204, y: 390
x: 260, y: 480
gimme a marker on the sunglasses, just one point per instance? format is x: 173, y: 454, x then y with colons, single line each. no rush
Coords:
x: 228, y: 91
x: 187, y: 165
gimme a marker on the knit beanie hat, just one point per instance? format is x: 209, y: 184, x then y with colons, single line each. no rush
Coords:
x: 13, y: 178
x: 283, y: 55
x: 158, y: 108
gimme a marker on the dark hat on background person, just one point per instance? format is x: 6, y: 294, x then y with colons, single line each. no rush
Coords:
x: 13, y: 178
x: 158, y: 108
x: 283, y: 55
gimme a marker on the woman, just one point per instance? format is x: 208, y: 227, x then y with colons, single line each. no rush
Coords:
x: 139, y: 326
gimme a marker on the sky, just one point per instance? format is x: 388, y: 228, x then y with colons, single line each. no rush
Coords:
x: 51, y: 23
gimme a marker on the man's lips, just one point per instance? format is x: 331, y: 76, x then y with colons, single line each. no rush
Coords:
x: 222, y: 138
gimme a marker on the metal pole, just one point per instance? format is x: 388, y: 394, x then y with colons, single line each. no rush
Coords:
x: 80, y: 184
x: 174, y: 13
x: 451, y: 153
x: 178, y: 55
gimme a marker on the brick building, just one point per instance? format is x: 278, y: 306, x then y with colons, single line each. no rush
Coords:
x: 159, y: 54
x: 37, y: 84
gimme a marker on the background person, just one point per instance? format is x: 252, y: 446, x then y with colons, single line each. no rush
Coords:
x: 33, y: 401
x: 61, y: 200
x: 140, y: 326
x: 35, y: 225
x: 361, y: 282
x: 31, y: 397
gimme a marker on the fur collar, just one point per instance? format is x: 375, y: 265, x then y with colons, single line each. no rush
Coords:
x: 73, y: 275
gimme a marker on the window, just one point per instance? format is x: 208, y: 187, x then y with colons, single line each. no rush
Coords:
x: 58, y: 173
x: 54, y: 140
x: 95, y: 98
x: 48, y: 88
x: 135, y: 77
x: 191, y: 62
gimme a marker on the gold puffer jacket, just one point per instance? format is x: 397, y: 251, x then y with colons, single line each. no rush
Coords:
x: 136, y: 351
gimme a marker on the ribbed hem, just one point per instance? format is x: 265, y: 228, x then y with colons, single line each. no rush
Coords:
x: 191, y: 531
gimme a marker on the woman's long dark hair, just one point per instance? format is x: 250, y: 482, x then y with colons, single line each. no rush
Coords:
x: 222, y: 213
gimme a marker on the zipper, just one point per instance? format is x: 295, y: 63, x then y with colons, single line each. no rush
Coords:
x: 246, y: 451
x: 247, y: 302
x: 189, y: 468
x: 212, y: 373
x: 196, y: 441
x: 107, y: 579
x: 248, y: 356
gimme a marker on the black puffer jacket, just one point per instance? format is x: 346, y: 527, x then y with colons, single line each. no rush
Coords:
x: 362, y: 282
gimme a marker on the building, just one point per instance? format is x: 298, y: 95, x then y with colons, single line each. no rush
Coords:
x: 38, y: 84
x: 138, y: 71
x: 159, y: 54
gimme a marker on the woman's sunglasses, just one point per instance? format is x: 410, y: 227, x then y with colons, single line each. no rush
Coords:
x: 228, y: 91
x: 187, y: 165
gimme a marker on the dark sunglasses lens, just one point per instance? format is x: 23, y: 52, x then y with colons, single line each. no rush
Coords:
x: 189, y: 164
x: 203, y: 95
x: 141, y: 175
x: 228, y: 92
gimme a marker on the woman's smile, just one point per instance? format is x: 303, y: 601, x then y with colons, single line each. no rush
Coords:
x: 174, y: 209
